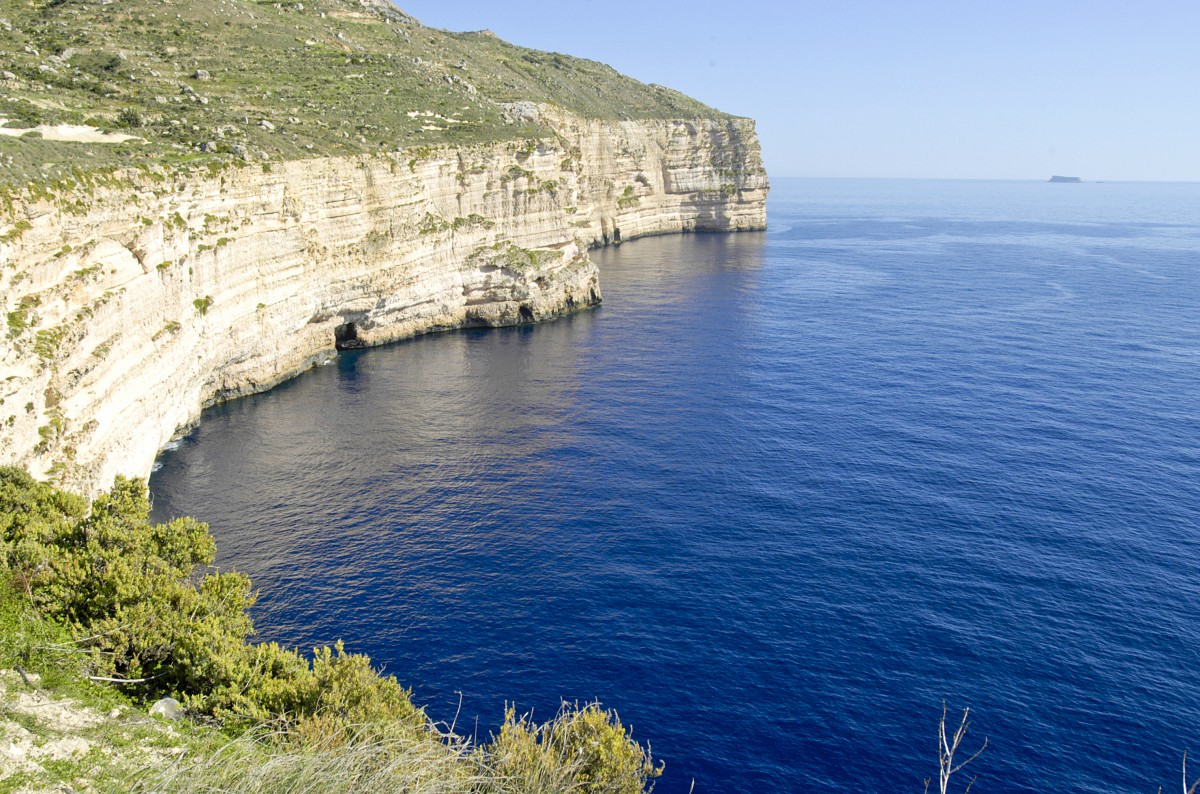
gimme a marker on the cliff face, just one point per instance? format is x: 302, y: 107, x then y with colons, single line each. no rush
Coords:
x: 133, y: 304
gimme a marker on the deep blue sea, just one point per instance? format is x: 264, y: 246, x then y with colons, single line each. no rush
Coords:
x: 777, y: 499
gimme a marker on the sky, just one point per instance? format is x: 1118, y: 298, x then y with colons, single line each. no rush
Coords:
x: 862, y: 88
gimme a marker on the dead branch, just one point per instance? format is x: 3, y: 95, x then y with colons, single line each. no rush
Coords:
x: 948, y: 746
x: 124, y: 680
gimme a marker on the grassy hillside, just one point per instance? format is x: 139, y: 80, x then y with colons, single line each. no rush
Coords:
x: 258, y: 80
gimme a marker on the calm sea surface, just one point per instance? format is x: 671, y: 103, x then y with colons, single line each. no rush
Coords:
x: 779, y: 497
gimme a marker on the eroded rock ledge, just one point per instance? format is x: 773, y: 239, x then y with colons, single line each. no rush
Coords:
x: 132, y: 305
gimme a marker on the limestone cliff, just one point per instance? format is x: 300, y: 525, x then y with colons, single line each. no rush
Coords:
x: 134, y: 302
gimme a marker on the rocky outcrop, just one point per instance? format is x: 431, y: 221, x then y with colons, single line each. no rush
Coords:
x: 134, y: 302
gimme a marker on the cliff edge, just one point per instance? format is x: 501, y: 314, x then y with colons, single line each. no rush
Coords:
x: 135, y: 294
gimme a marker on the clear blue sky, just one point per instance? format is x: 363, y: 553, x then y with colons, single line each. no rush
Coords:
x: 963, y: 89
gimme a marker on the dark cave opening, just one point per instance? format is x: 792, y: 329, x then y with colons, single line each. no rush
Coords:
x: 345, y: 337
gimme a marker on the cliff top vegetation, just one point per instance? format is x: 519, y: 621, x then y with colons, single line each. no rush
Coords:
x: 238, y: 80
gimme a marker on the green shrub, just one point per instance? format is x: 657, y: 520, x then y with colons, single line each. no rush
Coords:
x: 31, y: 513
x: 152, y: 609
x: 581, y: 749
x: 18, y: 229
x: 129, y: 118
x: 514, y: 257
x: 47, y: 342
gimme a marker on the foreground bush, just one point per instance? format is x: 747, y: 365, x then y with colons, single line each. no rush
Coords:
x: 142, y: 603
x: 581, y: 747
x: 101, y: 592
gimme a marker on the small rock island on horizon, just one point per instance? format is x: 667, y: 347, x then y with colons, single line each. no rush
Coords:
x: 1072, y: 179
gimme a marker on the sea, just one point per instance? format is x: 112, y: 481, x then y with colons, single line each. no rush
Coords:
x: 780, y: 499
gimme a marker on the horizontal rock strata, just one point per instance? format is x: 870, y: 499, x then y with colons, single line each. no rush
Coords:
x: 133, y: 303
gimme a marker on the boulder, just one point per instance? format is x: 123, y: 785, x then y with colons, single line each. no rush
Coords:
x: 167, y: 708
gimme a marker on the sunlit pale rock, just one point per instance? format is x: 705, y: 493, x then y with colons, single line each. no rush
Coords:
x: 131, y: 306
